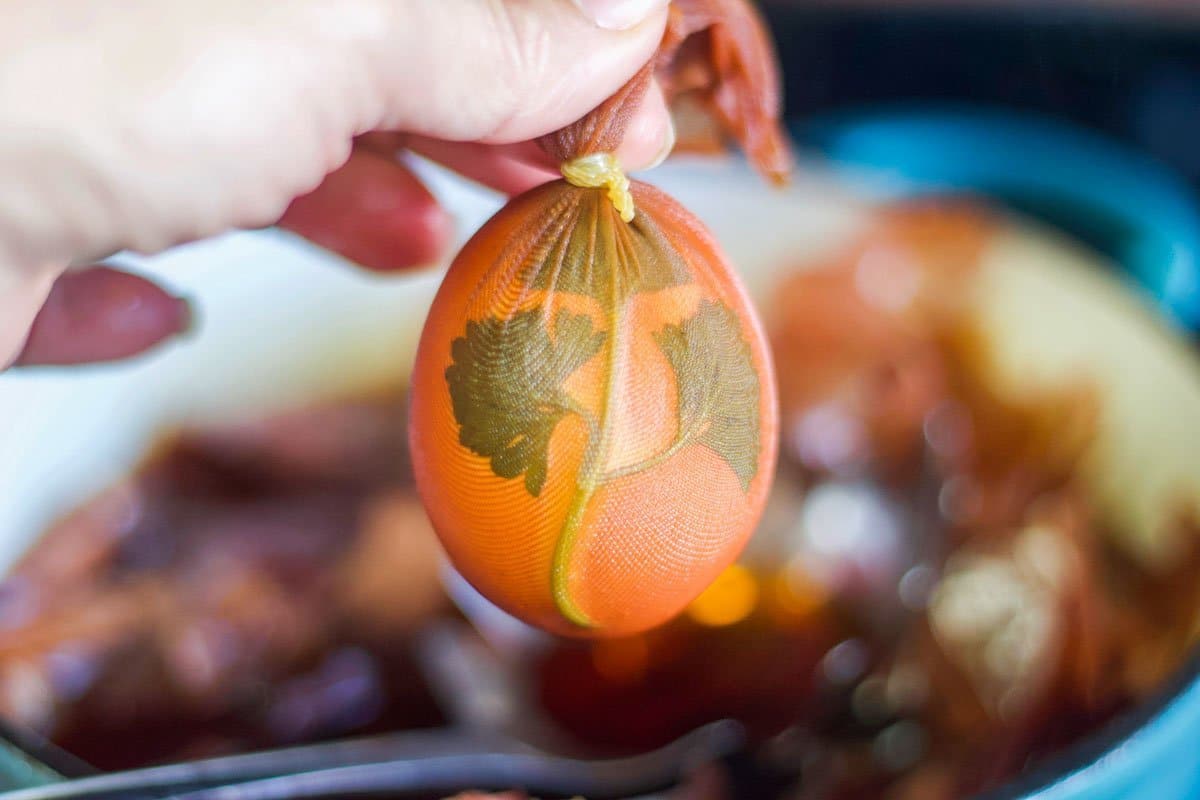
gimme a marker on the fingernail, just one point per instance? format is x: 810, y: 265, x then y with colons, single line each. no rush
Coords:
x: 619, y: 15
x: 667, y: 146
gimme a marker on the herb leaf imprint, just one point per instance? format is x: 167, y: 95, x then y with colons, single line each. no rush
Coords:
x: 718, y: 386
x: 506, y: 387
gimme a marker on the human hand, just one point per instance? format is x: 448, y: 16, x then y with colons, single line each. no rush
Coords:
x: 138, y: 125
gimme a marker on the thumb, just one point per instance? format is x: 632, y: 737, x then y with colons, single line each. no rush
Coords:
x: 620, y: 15
x: 499, y: 72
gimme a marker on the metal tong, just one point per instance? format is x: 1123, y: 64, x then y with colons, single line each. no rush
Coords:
x: 432, y: 762
x: 493, y: 746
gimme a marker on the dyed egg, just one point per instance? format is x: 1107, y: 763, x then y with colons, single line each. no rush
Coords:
x: 593, y: 412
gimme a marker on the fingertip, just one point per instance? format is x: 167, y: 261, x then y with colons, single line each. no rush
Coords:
x: 374, y: 212
x: 579, y: 65
x: 102, y: 314
x: 431, y: 229
x: 650, y: 135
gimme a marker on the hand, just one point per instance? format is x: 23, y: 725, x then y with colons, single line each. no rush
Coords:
x: 138, y: 124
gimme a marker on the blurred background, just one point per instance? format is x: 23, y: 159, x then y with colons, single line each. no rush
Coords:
x: 1129, y: 72
x: 1127, y: 69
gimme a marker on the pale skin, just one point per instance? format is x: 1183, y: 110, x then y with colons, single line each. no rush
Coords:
x: 138, y: 124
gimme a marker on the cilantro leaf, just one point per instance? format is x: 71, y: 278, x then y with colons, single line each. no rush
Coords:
x: 506, y: 387
x: 718, y: 386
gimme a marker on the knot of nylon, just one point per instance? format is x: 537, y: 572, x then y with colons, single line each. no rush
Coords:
x: 602, y: 171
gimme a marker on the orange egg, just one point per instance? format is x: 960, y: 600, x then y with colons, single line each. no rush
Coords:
x: 593, y: 420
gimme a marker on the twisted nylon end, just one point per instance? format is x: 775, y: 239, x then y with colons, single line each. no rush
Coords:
x: 602, y: 171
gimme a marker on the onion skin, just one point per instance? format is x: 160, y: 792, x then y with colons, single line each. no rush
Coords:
x: 719, y: 53
x: 596, y: 551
